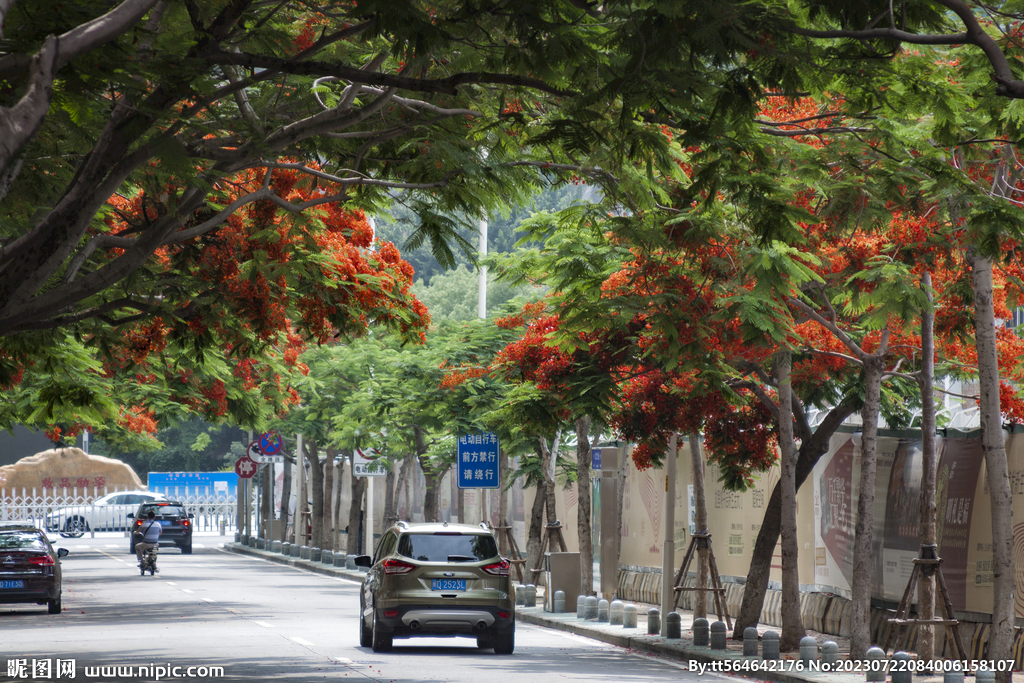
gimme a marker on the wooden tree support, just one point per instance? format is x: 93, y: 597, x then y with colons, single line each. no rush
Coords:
x: 552, y: 533
x: 700, y: 540
x: 926, y: 565
x: 506, y: 538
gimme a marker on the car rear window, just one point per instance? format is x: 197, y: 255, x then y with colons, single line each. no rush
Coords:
x: 440, y: 547
x: 165, y: 511
x: 21, y: 540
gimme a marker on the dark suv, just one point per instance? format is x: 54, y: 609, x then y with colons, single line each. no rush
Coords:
x: 437, y: 580
x: 173, y: 517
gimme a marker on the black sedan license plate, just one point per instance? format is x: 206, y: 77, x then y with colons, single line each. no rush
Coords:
x: 448, y: 585
x: 12, y: 584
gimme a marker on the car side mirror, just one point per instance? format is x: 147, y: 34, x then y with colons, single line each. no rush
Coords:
x: 131, y: 514
x: 62, y: 552
x: 363, y: 560
x: 191, y: 515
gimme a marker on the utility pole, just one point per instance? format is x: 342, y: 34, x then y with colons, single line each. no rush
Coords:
x: 668, y: 549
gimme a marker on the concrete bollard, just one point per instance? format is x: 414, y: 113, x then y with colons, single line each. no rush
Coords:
x: 581, y: 606
x: 653, y: 621
x: 829, y: 654
x: 350, y: 562
x: 985, y: 676
x: 296, y: 548
x: 701, y: 631
x: 340, y: 560
x: 750, y: 642
x: 327, y: 557
x: 718, y: 635
x: 261, y: 544
x: 808, y: 651
x: 223, y: 526
x: 602, y: 610
x: 770, y: 645
x: 901, y: 672
x: 304, y: 552
x: 286, y: 548
x: 558, y: 602
x: 531, y: 595
x: 615, y: 613
x: 591, y: 607
x: 875, y: 664
x: 314, y: 554
x: 629, y: 616
x: 275, y: 546
x: 673, y: 625
x: 252, y: 541
x: 953, y: 676
x: 521, y: 595
x: 238, y: 537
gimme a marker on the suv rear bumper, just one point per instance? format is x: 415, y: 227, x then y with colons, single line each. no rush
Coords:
x: 472, y: 620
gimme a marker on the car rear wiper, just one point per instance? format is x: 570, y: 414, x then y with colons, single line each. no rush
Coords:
x: 461, y: 558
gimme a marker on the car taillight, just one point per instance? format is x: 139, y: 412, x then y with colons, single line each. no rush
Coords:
x: 138, y: 522
x: 391, y: 613
x: 397, y: 567
x: 498, y: 568
x: 504, y: 615
x: 43, y: 560
x: 185, y: 523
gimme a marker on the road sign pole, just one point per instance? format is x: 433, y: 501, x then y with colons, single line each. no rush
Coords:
x: 369, y: 515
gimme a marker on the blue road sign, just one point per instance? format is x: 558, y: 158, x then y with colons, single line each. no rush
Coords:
x: 595, y: 459
x: 478, y: 461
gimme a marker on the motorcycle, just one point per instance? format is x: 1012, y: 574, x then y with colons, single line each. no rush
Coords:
x: 148, y: 561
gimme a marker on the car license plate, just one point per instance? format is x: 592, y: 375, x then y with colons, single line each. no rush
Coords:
x: 448, y: 585
x: 165, y: 522
x: 12, y: 584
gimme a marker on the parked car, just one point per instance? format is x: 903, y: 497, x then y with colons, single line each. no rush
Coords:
x: 173, y: 517
x: 437, y: 580
x: 29, y: 566
x: 111, y: 512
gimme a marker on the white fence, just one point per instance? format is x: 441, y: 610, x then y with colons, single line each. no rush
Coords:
x: 78, y: 509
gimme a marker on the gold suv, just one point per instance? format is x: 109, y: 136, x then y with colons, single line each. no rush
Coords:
x: 437, y: 580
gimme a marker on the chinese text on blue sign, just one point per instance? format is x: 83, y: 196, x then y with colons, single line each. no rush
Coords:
x: 478, y: 461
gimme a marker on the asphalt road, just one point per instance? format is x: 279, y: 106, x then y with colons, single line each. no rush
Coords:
x: 261, y: 621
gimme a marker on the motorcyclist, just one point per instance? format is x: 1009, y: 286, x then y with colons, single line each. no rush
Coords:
x: 150, y: 530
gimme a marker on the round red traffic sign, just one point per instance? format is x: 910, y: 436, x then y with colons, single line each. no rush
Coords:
x: 271, y: 443
x: 245, y: 467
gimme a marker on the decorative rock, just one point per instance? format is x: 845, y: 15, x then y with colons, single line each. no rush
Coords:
x: 875, y: 664
x: 591, y: 607
x: 531, y: 595
x: 750, y: 642
x: 629, y: 616
x: 286, y: 548
x: 718, y: 635
x: 770, y: 645
x: 701, y: 630
x: 581, y: 606
x: 521, y: 595
x: 808, y: 651
x: 558, y: 602
x: 275, y: 546
x: 71, y: 465
x: 602, y: 610
x: 900, y: 671
x: 829, y: 654
x: 653, y: 621
x: 314, y: 554
x: 615, y: 613
x: 673, y: 625
x: 327, y: 557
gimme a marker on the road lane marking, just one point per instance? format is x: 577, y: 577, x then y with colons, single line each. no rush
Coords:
x: 263, y: 624
x: 185, y: 590
x: 170, y: 583
x: 300, y: 641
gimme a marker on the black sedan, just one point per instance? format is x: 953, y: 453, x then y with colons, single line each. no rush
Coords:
x: 173, y: 517
x: 29, y: 566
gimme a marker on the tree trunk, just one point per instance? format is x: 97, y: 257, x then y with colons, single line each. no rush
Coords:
x: 812, y: 447
x: 431, y: 500
x: 327, y: 519
x: 286, y: 498
x: 1001, y: 640
x: 583, y: 530
x: 926, y: 582
x: 536, y: 531
x: 390, y: 514
x: 354, y: 515
x: 402, y: 487
x: 549, y: 467
x: 316, y: 490
x: 700, y: 523
x: 792, y: 625
x: 340, y: 477
x: 863, y: 550
x: 265, y: 502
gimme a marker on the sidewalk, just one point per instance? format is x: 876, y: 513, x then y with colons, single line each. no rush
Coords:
x: 728, y: 661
